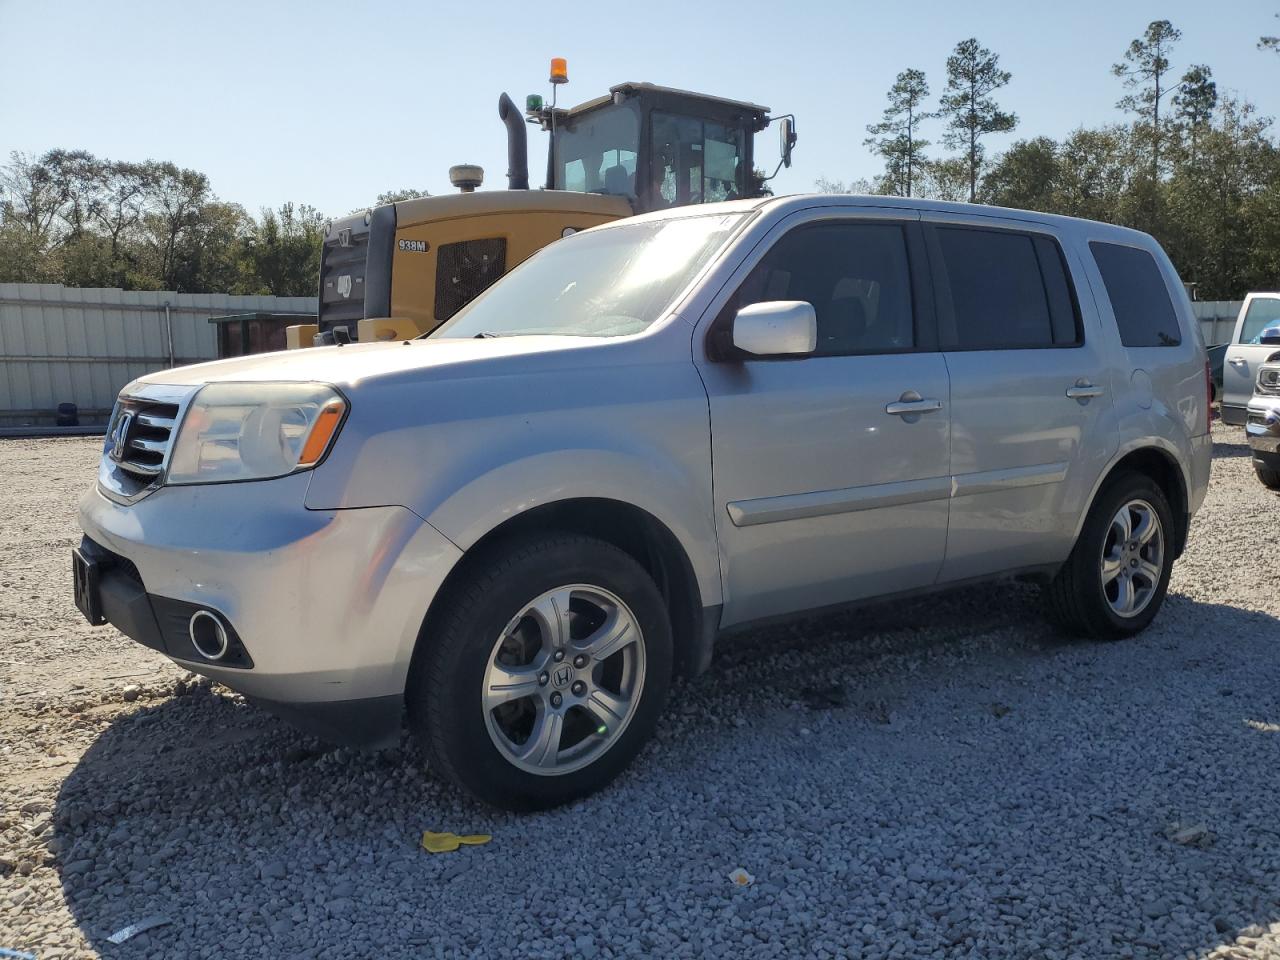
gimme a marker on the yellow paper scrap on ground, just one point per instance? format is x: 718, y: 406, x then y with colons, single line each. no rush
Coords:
x: 448, y: 842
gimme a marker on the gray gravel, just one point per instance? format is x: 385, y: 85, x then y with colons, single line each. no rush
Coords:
x: 943, y: 778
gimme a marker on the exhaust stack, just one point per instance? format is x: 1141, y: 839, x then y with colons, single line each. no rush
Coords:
x: 517, y: 144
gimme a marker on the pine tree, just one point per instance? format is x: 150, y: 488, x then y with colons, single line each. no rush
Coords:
x: 895, y: 137
x: 973, y: 74
x: 1146, y: 63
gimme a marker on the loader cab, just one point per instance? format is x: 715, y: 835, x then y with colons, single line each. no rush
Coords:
x: 656, y: 147
x: 402, y: 269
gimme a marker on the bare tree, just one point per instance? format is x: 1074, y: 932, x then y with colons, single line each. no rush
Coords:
x: 30, y: 199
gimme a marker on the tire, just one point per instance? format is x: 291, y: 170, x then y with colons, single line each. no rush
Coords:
x: 495, y: 639
x: 1080, y: 599
x: 1270, y: 478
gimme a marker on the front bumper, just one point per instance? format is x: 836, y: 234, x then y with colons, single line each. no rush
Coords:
x: 327, y: 604
x: 1262, y: 426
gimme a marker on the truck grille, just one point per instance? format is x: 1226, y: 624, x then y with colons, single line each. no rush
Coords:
x: 355, y: 271
x: 139, y: 437
x: 343, y: 262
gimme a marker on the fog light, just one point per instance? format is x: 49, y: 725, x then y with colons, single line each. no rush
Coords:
x: 208, y: 635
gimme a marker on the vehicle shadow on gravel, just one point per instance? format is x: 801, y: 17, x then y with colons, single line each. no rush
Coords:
x: 949, y: 775
x: 1230, y: 448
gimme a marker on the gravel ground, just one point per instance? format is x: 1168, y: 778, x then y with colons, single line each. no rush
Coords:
x: 943, y: 778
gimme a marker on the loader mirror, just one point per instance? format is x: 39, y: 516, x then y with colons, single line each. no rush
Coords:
x: 786, y: 139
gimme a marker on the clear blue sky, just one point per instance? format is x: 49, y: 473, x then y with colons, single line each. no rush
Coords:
x: 330, y: 103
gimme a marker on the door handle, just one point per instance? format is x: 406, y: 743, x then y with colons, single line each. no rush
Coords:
x: 1083, y: 390
x: 1238, y: 362
x: 912, y: 404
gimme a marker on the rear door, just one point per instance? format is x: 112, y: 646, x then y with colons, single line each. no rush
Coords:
x: 1030, y: 393
x: 1245, y: 353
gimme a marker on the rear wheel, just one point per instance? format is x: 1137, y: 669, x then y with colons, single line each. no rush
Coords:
x: 1270, y: 478
x: 1115, y: 580
x: 545, y: 674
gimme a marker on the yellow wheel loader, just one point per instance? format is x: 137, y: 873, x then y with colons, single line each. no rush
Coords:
x: 402, y: 269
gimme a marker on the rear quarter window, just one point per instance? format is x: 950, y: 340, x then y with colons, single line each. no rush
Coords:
x: 1138, y: 294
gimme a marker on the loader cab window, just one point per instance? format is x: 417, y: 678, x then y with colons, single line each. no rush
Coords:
x: 596, y: 153
x: 694, y: 161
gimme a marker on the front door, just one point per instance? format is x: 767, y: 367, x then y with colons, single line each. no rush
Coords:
x: 831, y: 471
x: 1240, y: 367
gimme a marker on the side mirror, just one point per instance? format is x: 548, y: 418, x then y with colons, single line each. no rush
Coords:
x: 786, y: 139
x: 1270, y: 336
x: 776, y: 328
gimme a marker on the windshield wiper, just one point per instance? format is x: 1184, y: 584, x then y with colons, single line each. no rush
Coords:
x: 485, y: 335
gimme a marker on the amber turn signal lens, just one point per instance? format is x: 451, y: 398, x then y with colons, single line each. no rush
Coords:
x: 326, y: 426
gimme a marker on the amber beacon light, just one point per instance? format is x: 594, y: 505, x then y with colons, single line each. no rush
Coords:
x: 559, y: 70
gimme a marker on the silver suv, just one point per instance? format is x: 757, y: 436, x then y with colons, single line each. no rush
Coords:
x: 524, y: 526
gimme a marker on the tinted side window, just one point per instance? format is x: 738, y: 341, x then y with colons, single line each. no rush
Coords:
x: 856, y: 276
x: 1008, y: 291
x: 1139, y: 297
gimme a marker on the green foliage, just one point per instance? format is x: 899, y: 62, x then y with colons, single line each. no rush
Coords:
x: 1270, y: 43
x: 1198, y: 171
x: 1217, y: 212
x: 973, y: 75
x: 395, y: 196
x: 69, y: 217
x: 896, y: 137
x: 760, y: 184
x: 283, y: 252
x: 863, y: 187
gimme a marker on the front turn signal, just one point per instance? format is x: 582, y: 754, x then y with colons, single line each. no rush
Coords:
x: 322, y: 433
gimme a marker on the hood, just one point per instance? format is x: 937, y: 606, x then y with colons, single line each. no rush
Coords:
x: 351, y: 364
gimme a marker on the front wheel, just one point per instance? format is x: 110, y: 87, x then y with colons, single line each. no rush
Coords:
x: 1115, y: 580
x: 546, y: 673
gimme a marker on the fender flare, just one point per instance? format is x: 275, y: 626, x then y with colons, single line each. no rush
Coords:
x: 1135, y: 445
x: 483, y: 502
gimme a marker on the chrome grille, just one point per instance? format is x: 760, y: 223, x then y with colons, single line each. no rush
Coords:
x: 144, y: 424
x: 139, y: 438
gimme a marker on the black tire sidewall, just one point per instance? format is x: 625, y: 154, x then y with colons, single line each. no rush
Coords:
x: 476, y: 621
x: 1122, y: 489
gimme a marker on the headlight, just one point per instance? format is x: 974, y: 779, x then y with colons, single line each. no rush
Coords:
x: 254, y: 431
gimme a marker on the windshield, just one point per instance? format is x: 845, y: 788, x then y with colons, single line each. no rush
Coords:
x: 604, y: 283
x: 596, y: 153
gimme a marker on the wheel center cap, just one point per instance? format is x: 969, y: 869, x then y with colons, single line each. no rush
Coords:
x: 562, y: 676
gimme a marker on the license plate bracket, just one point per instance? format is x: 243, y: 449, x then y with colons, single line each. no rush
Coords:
x: 86, y: 576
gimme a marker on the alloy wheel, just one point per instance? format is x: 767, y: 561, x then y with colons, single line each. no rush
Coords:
x: 564, y: 679
x: 1132, y: 558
